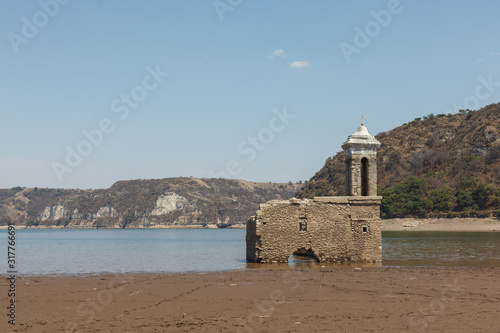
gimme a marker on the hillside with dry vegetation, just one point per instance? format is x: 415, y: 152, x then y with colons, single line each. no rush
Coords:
x: 141, y: 203
x: 437, y: 165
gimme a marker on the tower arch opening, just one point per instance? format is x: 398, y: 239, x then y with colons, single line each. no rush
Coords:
x: 364, y: 177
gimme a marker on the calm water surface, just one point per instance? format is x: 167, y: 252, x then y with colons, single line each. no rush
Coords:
x: 441, y: 248
x: 62, y: 252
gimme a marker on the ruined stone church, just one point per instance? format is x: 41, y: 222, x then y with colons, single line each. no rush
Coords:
x: 329, y: 229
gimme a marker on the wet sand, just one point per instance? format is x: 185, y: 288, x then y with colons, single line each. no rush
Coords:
x: 383, y: 299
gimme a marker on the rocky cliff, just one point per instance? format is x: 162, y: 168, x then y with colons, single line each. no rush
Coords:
x: 141, y: 203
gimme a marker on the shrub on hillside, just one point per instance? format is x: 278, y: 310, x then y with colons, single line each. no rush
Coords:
x: 442, y: 200
x: 406, y: 199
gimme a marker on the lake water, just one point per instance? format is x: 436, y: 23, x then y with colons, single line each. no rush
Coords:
x: 441, y: 248
x: 63, y: 252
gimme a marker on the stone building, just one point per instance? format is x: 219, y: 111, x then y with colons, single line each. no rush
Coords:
x: 329, y: 229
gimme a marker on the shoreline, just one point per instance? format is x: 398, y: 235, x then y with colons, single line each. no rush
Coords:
x: 382, y: 299
x: 55, y: 227
x: 400, y: 224
x: 443, y: 224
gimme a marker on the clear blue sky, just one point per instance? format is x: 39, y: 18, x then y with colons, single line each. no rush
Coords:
x: 225, y: 78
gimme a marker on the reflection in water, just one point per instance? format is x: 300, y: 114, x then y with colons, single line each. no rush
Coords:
x: 433, y: 248
x: 296, y: 259
x: 303, y: 262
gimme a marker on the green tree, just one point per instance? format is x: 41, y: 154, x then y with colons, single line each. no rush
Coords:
x: 406, y: 199
x: 484, y: 195
x: 464, y: 199
x: 442, y: 200
x: 464, y: 183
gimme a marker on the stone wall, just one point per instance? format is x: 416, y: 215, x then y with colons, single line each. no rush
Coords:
x: 331, y: 229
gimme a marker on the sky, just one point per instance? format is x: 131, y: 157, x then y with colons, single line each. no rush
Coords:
x: 93, y: 92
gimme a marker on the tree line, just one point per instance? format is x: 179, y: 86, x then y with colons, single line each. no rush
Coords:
x: 468, y: 198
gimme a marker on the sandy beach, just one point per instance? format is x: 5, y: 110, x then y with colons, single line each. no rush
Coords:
x: 456, y: 224
x: 383, y: 299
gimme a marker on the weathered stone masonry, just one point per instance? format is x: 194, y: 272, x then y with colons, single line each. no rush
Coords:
x: 330, y: 229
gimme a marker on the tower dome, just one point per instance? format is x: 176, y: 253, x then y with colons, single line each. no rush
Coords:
x: 361, y: 139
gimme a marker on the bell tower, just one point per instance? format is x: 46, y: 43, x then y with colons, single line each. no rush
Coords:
x: 361, y: 159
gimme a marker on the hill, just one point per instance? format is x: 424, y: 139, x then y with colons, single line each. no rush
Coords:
x: 141, y: 203
x: 443, y: 165
x: 437, y: 166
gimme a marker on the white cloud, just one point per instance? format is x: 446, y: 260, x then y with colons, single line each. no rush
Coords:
x: 494, y: 53
x: 277, y: 53
x: 300, y: 64
x: 479, y: 59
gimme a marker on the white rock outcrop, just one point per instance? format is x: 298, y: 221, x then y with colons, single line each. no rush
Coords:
x: 106, y: 211
x: 169, y: 202
x: 76, y: 215
x: 53, y: 213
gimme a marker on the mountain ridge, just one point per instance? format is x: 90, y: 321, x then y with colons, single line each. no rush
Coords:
x: 177, y: 201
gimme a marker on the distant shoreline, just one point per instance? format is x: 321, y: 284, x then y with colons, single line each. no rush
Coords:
x: 404, y: 224
x: 454, y: 224
x: 58, y: 227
